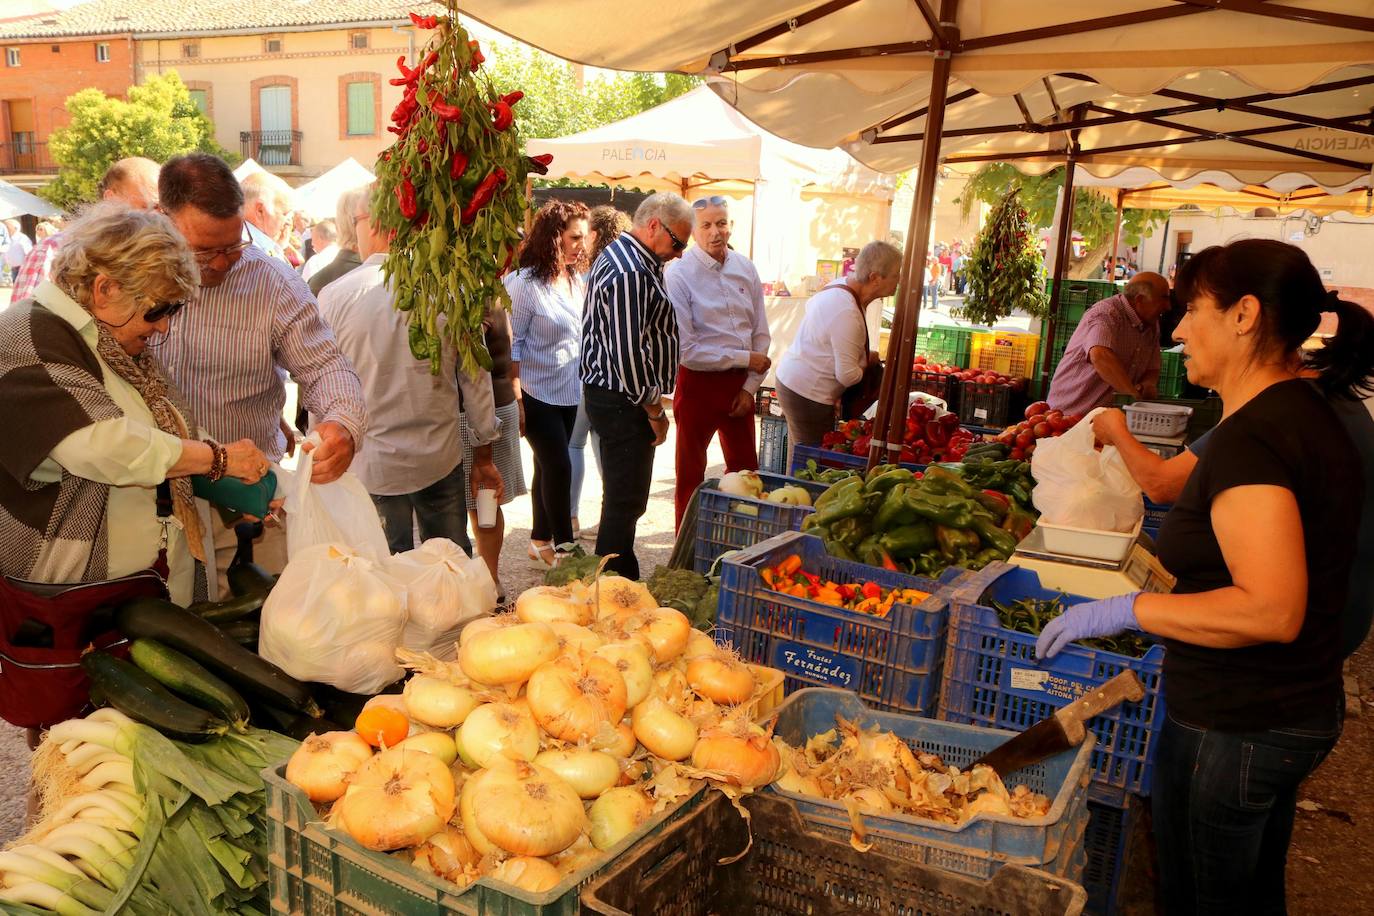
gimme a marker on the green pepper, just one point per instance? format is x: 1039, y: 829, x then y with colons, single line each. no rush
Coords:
x: 909, y: 540
x: 1018, y: 523
x: 894, y: 512
x: 877, y: 471
x: 953, y: 511
x: 983, y: 558
x: 956, y: 542
x: 838, y: 493
x: 943, y: 480
x: 1021, y: 493
x: 837, y: 549
x: 994, y: 502
x: 885, y: 482
x: 816, y: 531
x: 929, y: 564
x: 994, y: 538
x: 870, y: 551
x: 850, y: 531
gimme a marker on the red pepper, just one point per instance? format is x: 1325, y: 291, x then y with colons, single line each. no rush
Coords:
x: 477, y: 57
x: 813, y: 579
x: 408, y: 76
x: 872, y: 590
x: 405, y: 197
x: 428, y: 62
x: 501, y: 115
x: 540, y: 164
x: 424, y: 22
x: 458, y: 165
x: 483, y: 195
x: 510, y: 256
x: 888, y: 562
x: 422, y: 146
x: 446, y: 111
x: 512, y: 98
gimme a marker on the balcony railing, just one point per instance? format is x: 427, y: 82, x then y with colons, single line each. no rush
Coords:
x: 25, y: 157
x: 271, y: 147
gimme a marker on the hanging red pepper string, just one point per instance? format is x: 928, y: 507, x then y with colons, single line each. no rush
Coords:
x: 478, y: 59
x: 405, y: 197
x: 407, y: 77
x: 501, y: 115
x: 424, y: 22
x: 458, y: 165
x: 512, y: 98
x: 446, y: 111
x: 540, y: 164
x: 483, y: 194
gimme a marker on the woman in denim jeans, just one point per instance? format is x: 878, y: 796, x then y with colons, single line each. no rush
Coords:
x: 1261, y: 540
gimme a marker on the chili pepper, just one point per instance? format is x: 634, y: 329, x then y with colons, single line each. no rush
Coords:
x: 909, y: 540
x: 790, y: 566
x: 540, y: 164
x: 993, y: 537
x: 430, y: 60
x: 405, y: 196
x: 405, y: 170
x: 422, y: 146
x: 994, y: 502
x: 483, y: 195
x: 424, y: 22
x: 949, y: 510
x: 477, y: 57
x: 982, y: 558
x: 888, y: 563
x: 886, y: 481
x: 510, y: 256
x: 512, y: 97
x: 445, y: 111
x: 458, y: 165
x: 501, y: 115
x: 408, y: 76
x: 812, y: 578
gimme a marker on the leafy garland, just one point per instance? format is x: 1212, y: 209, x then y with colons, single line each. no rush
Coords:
x: 1005, y: 272
x: 452, y: 193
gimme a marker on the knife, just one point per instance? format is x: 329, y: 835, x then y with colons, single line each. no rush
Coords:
x: 1063, y: 730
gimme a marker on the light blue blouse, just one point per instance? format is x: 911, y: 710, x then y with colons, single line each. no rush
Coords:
x: 546, y: 336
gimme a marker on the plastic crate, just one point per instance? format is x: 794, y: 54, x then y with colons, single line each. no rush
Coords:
x: 1081, y: 295
x: 789, y: 871
x: 944, y: 387
x: 1148, y: 418
x: 772, y: 444
x: 1062, y: 334
x: 978, y: 847
x: 893, y: 662
x: 727, y: 522
x: 312, y: 870
x: 825, y: 458
x: 1172, y: 376
x: 1108, y: 844
x: 988, y: 405
x: 945, y: 345
x: 1008, y: 352
x: 992, y: 678
x: 766, y: 403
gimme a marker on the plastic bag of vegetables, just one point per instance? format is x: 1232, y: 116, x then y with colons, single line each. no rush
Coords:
x: 335, y: 618
x: 341, y: 512
x: 445, y: 588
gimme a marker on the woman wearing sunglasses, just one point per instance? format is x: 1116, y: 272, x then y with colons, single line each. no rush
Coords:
x: 102, y: 433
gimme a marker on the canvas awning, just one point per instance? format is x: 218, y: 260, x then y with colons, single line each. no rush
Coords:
x: 16, y: 201
x: 317, y: 197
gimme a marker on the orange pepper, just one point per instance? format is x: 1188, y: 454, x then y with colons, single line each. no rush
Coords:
x: 790, y: 566
x: 767, y: 576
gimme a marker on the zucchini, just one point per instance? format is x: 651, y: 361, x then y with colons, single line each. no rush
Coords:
x: 153, y: 618
x: 236, y: 608
x: 184, y: 676
x: 243, y: 632
x: 143, y: 699
x: 249, y: 579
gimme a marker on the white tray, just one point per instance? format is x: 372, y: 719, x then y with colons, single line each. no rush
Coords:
x: 1151, y: 419
x: 1067, y: 541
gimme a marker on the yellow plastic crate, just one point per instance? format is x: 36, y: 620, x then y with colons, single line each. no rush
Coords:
x: 1007, y: 352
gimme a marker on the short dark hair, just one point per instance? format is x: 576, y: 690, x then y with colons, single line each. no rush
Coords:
x: 202, y: 181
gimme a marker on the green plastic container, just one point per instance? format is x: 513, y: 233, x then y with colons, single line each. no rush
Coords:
x: 1172, y: 376
x: 945, y: 345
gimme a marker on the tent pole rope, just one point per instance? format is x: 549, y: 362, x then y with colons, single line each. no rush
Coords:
x: 1116, y: 232
x: 1062, y: 245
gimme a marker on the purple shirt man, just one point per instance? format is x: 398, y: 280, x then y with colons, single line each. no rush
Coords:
x: 1114, y: 350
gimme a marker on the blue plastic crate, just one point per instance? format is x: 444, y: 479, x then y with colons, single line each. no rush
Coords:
x: 1154, y: 517
x: 1107, y: 841
x: 992, y: 678
x: 772, y: 444
x: 726, y: 522
x: 892, y: 662
x: 986, y: 842
x: 826, y: 458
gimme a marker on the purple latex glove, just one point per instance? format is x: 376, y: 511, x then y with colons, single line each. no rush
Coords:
x: 1086, y: 621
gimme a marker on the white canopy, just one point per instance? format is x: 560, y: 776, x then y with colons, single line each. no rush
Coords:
x: 317, y: 197
x: 16, y: 201
x: 247, y: 167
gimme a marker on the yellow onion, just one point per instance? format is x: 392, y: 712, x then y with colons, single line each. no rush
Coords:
x: 617, y: 814
x: 631, y: 659
x: 509, y: 655
x: 437, y: 743
x: 665, y: 632
x: 698, y: 644
x: 573, y: 639
x: 614, y: 595
x: 449, y: 855
x: 532, y: 875
x: 486, y: 624
x: 571, y: 698
x: 721, y: 679
x: 322, y: 765
x: 547, y: 603
x: 633, y: 772
x: 519, y: 808
x: 624, y: 743
x: 397, y: 799
x: 868, y: 800
x: 588, y: 772
x: 741, y: 752
x: 494, y: 729
x: 663, y: 730
x: 437, y: 702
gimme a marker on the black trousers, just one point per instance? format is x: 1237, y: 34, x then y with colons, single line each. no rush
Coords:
x: 548, y: 427
x: 627, y: 461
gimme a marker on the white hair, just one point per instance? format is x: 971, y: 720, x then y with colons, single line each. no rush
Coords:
x: 267, y: 187
x: 877, y: 259
x: 666, y: 207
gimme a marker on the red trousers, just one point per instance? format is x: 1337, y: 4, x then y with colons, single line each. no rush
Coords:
x: 701, y: 409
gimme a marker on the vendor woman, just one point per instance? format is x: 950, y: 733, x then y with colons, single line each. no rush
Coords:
x: 1261, y: 540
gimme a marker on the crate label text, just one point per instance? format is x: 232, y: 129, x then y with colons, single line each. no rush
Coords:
x: 1048, y: 684
x: 812, y: 664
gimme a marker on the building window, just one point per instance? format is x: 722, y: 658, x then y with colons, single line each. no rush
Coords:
x: 271, y: 45
x: 201, y: 99
x: 190, y: 49
x: 57, y: 49
x: 362, y: 121
x: 102, y: 52
x: 358, y: 41
x: 11, y: 57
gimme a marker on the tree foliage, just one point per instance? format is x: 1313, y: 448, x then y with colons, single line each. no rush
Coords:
x: 1005, y: 271
x: 158, y: 120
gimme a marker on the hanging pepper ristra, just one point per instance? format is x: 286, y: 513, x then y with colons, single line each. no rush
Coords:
x: 405, y: 198
x: 407, y: 77
x: 483, y: 195
x: 511, y: 98
x: 458, y: 165
x: 424, y: 22
x: 446, y: 111
x: 501, y: 115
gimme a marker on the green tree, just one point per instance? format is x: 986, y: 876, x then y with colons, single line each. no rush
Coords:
x: 158, y: 120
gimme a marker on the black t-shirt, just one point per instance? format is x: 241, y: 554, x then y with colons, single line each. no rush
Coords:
x: 1286, y: 436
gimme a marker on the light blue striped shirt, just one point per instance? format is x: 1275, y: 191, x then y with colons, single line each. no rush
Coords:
x: 546, y: 332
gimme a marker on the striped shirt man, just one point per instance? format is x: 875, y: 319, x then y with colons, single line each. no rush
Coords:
x: 629, y: 330
x: 229, y: 353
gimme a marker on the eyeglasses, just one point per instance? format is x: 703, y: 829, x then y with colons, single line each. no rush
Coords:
x: 360, y: 217
x: 715, y: 200
x: 162, y: 310
x: 678, y: 244
x: 207, y: 256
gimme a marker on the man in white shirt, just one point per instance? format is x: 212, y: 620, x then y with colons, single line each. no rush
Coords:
x: 266, y: 209
x: 723, y: 356
x: 20, y: 246
x: 411, y: 458
x: 325, y: 237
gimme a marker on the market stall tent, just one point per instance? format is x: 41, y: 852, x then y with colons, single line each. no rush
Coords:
x: 18, y: 202
x: 247, y: 167
x: 792, y: 205
x: 317, y: 197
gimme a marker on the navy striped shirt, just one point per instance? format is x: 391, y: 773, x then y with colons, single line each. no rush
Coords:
x: 629, y: 330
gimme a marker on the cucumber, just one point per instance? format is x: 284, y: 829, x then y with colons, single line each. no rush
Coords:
x: 243, y: 632
x: 184, y: 676
x: 152, y: 618
x: 236, y: 608
x: 249, y: 579
x: 143, y: 699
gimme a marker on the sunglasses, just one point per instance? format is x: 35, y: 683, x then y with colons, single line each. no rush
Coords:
x: 714, y: 200
x: 162, y: 310
x: 678, y: 244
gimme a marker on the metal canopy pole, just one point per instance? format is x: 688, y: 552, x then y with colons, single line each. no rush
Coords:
x: 890, y: 424
x: 1063, y: 244
x: 1116, y: 232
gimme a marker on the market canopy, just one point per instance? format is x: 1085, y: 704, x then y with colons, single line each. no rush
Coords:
x: 16, y: 201
x: 317, y: 198
x: 247, y: 167
x: 1144, y: 189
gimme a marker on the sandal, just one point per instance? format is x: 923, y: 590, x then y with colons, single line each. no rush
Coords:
x: 542, y: 555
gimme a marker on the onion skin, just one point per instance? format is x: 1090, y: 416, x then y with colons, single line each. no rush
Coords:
x: 323, y: 764
x: 662, y: 730
x: 519, y: 808
x: 632, y: 660
x: 572, y: 698
x: 495, y: 729
x: 528, y: 873
x: 397, y: 799
x: 721, y: 680
x: 508, y: 656
x: 748, y: 761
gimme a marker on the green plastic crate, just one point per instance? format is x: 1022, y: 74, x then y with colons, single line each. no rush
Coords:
x: 945, y: 345
x: 322, y: 872
x: 1172, y: 376
x: 1079, y: 296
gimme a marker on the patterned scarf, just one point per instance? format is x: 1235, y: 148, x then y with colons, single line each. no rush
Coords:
x: 142, y: 373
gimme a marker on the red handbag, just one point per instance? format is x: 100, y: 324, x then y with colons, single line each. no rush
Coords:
x: 44, y: 630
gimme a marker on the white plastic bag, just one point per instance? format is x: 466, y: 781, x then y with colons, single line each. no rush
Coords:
x: 334, y: 617
x: 341, y: 512
x: 1078, y: 486
x: 445, y: 589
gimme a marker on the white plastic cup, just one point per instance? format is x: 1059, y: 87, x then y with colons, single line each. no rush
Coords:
x: 486, y: 507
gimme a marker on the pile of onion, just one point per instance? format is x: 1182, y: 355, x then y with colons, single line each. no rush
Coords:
x: 397, y: 799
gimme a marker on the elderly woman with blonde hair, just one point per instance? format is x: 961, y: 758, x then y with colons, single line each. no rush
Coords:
x: 102, y: 432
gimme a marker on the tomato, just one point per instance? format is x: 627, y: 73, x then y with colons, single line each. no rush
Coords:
x: 1024, y: 439
x: 1041, y: 430
x: 1016, y: 454
x: 1039, y: 407
x: 1071, y: 420
x: 1056, y: 420
x: 1038, y: 418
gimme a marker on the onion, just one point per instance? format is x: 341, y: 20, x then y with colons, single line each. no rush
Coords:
x: 615, y: 595
x: 721, y: 679
x: 741, y: 752
x: 437, y: 743
x: 573, y: 639
x: 397, y: 799
x: 624, y: 746
x: 631, y: 659
x: 516, y: 807
x: 322, y: 764
x: 571, y: 698
x: 617, y: 814
x: 869, y: 800
x: 436, y: 702
x: 496, y: 728
x: 662, y: 730
x: 547, y: 603
x: 532, y: 875
x: 699, y: 643
x: 449, y: 855
x: 486, y: 625
x: 665, y: 631
x: 509, y: 655
x: 588, y: 772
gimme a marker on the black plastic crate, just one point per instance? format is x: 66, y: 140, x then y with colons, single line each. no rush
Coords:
x: 945, y: 387
x: 766, y: 403
x: 984, y: 404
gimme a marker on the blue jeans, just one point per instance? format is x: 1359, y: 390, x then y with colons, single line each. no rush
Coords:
x: 1223, y: 810
x: 441, y: 509
x: 577, y: 454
